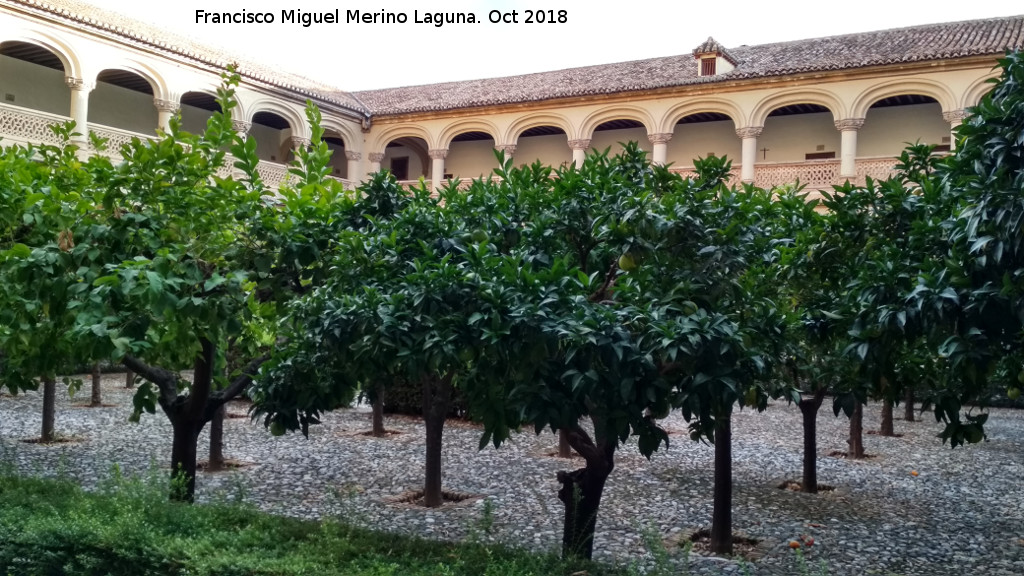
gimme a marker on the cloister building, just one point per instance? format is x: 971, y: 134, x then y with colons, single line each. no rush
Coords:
x: 821, y: 110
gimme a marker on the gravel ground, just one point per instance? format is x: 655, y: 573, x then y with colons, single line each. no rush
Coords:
x: 962, y: 514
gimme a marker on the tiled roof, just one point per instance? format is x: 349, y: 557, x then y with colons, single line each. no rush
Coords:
x: 850, y: 51
x: 89, y: 17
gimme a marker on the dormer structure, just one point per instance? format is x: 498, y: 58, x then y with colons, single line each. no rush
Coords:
x: 712, y: 58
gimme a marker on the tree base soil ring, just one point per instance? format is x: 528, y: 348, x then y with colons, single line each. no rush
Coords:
x: 228, y: 465
x: 414, y: 499
x: 55, y: 440
x: 699, y: 542
x: 797, y: 486
x: 842, y: 454
x: 879, y: 433
x: 386, y: 433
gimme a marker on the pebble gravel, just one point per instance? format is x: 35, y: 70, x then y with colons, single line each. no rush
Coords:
x: 962, y: 513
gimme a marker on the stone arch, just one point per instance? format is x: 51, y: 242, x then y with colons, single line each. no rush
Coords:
x: 346, y: 131
x: 976, y: 91
x: 296, y: 120
x: 390, y: 133
x: 123, y: 99
x: 68, y: 56
x: 924, y: 87
x: 617, y: 112
x: 525, y: 123
x: 817, y: 97
x: 689, y: 108
x: 157, y: 84
x: 461, y: 126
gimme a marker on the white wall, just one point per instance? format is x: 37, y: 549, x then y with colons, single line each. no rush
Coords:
x: 699, y: 139
x: 34, y: 86
x: 552, y: 150
x: 613, y: 138
x: 470, y: 159
x: 117, y: 107
x: 791, y: 138
x: 887, y: 131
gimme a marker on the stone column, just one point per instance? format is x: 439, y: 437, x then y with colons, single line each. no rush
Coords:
x: 579, y: 151
x: 955, y: 119
x: 353, y: 166
x: 749, y: 136
x: 80, y: 107
x: 659, y: 155
x: 437, y: 156
x: 164, y: 110
x: 375, y: 159
x: 848, y: 128
x: 508, y: 149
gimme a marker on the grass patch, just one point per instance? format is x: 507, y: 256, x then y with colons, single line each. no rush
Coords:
x: 129, y: 528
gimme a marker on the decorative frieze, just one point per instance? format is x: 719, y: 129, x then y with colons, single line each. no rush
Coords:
x: 954, y: 116
x: 849, y: 124
x: 508, y: 149
x: 438, y: 153
x: 750, y: 132
x: 661, y: 138
x: 78, y: 84
x: 166, y: 105
x: 299, y: 142
x: 581, y: 144
x: 354, y: 156
x: 376, y: 157
x: 241, y: 127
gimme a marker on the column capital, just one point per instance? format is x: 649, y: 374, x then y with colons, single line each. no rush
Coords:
x: 955, y: 116
x: 438, y: 153
x: 661, y: 138
x: 581, y: 144
x: 849, y: 124
x: 299, y: 142
x: 241, y: 126
x: 376, y: 157
x: 353, y: 155
x: 78, y: 84
x: 166, y: 105
x: 508, y: 149
x: 749, y: 131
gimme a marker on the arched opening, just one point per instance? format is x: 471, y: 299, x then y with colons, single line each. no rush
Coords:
x: 33, y: 78
x: 273, y: 137
x: 798, y: 133
x: 613, y: 133
x: 339, y: 161
x: 701, y: 135
x: 196, y: 109
x: 471, y: 155
x: 123, y: 100
x: 548, y: 144
x: 407, y: 158
x: 892, y: 123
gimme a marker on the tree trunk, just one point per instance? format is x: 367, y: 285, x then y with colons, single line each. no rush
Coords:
x: 216, y: 460
x: 183, y: 458
x: 581, y: 493
x: 908, y: 404
x: 377, y: 416
x: 887, y: 426
x: 97, y: 390
x: 437, y: 394
x: 564, y: 449
x: 49, y: 407
x: 856, y: 440
x: 809, y: 414
x: 721, y: 517
x: 129, y: 379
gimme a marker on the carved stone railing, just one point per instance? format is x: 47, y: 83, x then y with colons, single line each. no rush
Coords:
x: 26, y: 126
x: 272, y: 173
x: 813, y: 174
x: 116, y: 138
x: 689, y: 172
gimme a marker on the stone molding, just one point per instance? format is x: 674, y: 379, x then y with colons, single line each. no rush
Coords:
x: 438, y: 153
x: 241, y: 126
x: 954, y: 116
x: 661, y: 138
x: 376, y: 157
x: 78, y: 84
x: 299, y: 142
x: 581, y: 144
x: 353, y: 155
x: 166, y: 105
